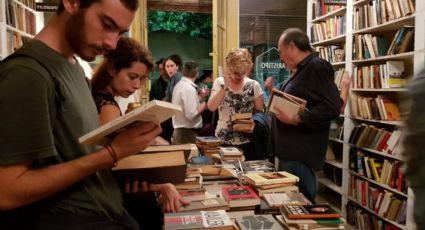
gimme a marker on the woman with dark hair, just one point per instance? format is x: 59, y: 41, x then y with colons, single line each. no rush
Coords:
x: 172, y: 66
x: 121, y: 73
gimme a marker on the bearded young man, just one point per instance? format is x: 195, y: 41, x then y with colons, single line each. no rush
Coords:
x: 47, y: 179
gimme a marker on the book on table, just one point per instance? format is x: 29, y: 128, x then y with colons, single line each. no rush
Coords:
x: 280, y: 199
x: 193, y: 194
x: 309, y: 211
x: 190, y: 183
x: 319, y: 224
x: 208, y: 204
x: 258, y: 222
x: 217, y: 220
x: 271, y: 178
x: 154, y: 111
x: 240, y: 196
x: 289, y: 103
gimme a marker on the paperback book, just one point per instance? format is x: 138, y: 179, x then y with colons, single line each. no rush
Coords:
x: 282, y: 177
x: 217, y: 220
x: 154, y: 111
x: 287, y: 102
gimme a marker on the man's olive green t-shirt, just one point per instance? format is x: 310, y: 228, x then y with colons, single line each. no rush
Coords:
x: 27, y: 98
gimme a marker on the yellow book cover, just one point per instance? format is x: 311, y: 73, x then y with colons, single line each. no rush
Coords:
x: 271, y: 178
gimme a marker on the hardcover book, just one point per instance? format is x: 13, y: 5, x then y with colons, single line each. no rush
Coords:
x: 309, y: 211
x: 271, y: 178
x: 153, y: 111
x: 287, y: 102
x: 217, y: 220
x: 157, y: 167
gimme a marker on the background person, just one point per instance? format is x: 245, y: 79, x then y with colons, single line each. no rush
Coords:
x: 121, y: 73
x: 187, y: 123
x: 172, y: 65
x: 300, y: 141
x: 157, y: 92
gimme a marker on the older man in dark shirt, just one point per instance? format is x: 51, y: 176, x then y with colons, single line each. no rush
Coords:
x: 300, y: 141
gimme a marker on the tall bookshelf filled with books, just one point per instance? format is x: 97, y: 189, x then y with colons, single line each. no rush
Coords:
x: 382, y: 43
x: 17, y: 24
x: 327, y: 30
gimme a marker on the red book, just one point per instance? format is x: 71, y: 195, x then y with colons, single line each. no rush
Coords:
x: 240, y: 196
x: 383, y: 142
x: 400, y: 178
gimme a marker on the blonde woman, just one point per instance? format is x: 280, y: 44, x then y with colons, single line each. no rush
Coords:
x: 236, y: 93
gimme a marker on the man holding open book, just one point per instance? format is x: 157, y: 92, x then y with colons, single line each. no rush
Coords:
x: 299, y: 140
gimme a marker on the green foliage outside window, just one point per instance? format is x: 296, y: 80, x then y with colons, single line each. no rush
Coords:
x: 193, y: 24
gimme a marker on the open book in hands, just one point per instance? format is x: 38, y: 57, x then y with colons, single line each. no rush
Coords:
x: 287, y: 102
x: 154, y: 111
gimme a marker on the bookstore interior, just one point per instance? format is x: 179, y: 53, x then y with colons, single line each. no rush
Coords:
x: 381, y: 43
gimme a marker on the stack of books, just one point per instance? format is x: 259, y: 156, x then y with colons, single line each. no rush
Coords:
x: 243, y: 122
x: 198, y: 220
x: 240, y: 197
x: 229, y: 154
x: 208, y: 145
x: 272, y: 182
x: 258, y: 166
x: 311, y: 216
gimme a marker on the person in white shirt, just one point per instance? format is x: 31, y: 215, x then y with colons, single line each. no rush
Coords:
x: 185, y: 94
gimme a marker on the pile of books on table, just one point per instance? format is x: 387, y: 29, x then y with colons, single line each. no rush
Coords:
x: 310, y: 216
x: 208, y: 145
x: 272, y: 182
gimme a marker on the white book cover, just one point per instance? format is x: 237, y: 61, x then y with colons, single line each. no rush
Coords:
x: 154, y: 111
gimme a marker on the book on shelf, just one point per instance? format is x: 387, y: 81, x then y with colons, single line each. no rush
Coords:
x: 309, y: 211
x: 217, y: 220
x: 395, y: 70
x: 208, y: 204
x: 402, y: 41
x: 156, y: 167
x: 265, y: 178
x: 249, y: 222
x: 280, y: 199
x: 240, y: 196
x: 287, y: 102
x: 153, y: 111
